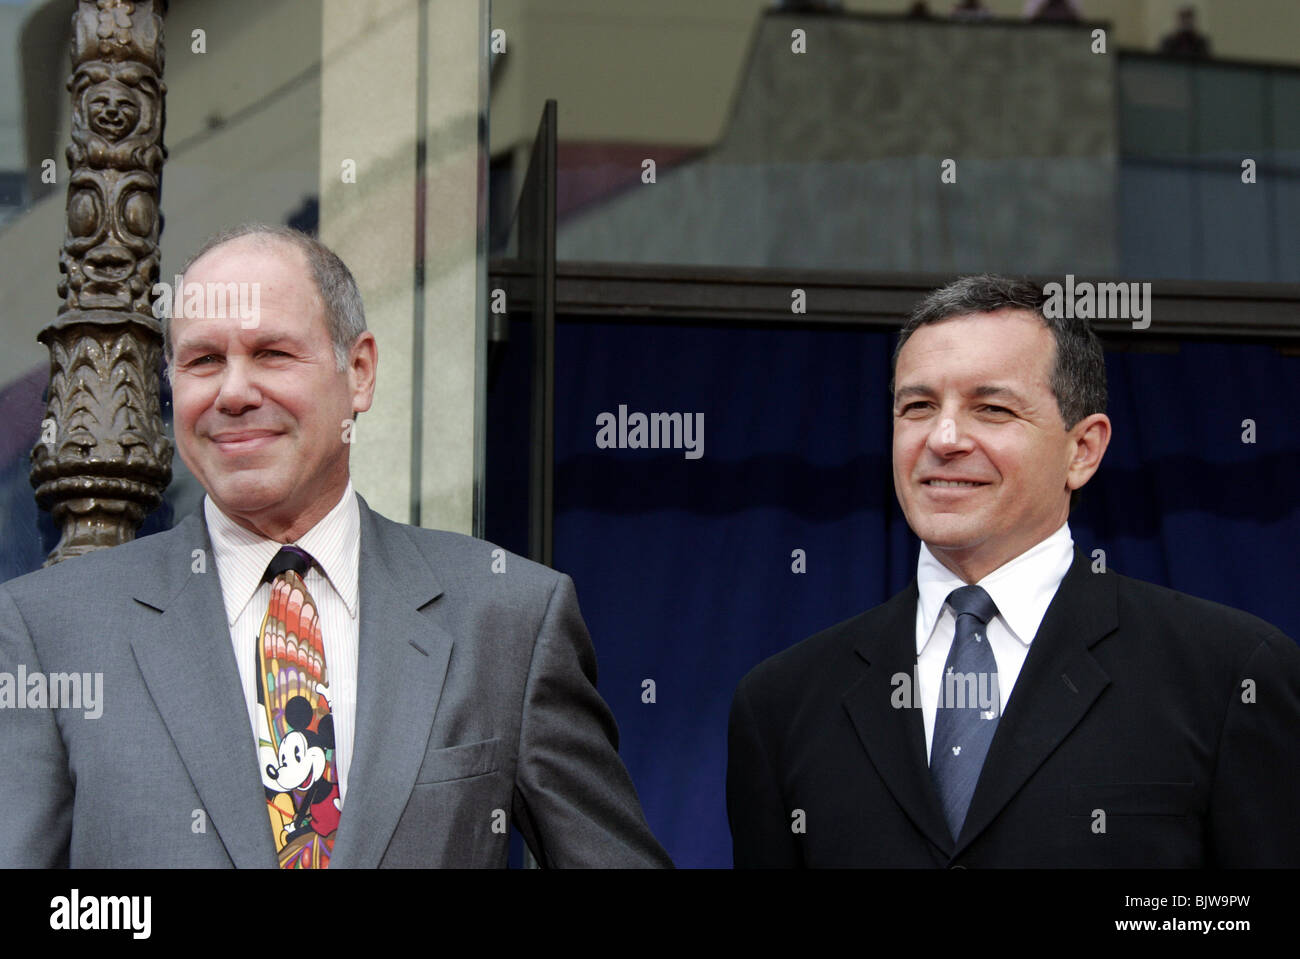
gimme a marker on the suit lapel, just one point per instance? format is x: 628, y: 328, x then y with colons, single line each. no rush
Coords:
x: 895, y: 738
x: 402, y: 662
x: 1056, y: 687
x: 189, y: 668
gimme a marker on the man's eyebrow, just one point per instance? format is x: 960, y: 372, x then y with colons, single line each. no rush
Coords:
x: 199, y: 345
x: 260, y: 341
x: 984, y: 392
x: 265, y: 338
x: 981, y: 392
x: 912, y: 390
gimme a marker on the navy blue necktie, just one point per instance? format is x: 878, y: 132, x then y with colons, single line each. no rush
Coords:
x: 969, y: 705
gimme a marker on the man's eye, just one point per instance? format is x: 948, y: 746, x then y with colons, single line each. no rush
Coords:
x: 916, y: 405
x: 200, y: 360
x: 997, y: 409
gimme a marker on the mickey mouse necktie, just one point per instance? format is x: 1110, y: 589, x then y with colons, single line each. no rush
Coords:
x: 295, y: 727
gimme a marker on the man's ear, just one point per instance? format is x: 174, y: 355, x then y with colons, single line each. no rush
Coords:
x: 363, y: 359
x: 1088, y: 438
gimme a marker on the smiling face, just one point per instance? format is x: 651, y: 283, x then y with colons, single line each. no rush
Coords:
x: 112, y: 110
x: 983, y: 463
x: 300, y: 763
x: 260, y: 411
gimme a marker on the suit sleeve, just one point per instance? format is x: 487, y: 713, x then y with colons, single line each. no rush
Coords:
x: 35, y: 789
x: 760, y: 824
x: 1255, y: 798
x: 574, y: 800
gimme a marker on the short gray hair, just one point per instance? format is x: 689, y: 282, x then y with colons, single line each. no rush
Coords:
x: 1078, y: 377
x: 345, y: 315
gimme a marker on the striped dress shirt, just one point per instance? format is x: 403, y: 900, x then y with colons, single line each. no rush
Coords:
x: 335, y: 543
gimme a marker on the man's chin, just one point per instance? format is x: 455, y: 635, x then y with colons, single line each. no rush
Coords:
x: 948, y: 531
x: 246, y: 496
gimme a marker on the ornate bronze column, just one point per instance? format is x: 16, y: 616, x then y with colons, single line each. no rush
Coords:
x: 103, y: 460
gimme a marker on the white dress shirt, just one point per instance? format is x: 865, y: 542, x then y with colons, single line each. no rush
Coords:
x: 335, y: 543
x: 1022, y: 588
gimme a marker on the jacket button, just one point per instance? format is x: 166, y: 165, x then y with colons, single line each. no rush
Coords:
x: 956, y: 865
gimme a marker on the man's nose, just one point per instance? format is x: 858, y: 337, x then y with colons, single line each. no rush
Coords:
x: 948, y: 433
x: 239, y: 390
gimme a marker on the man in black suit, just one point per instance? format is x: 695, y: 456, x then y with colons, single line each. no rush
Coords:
x: 1017, y: 704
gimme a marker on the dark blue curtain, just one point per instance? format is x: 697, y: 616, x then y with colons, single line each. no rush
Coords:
x: 684, y: 567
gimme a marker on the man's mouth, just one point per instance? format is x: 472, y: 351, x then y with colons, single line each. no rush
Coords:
x: 952, y: 484
x: 243, y: 440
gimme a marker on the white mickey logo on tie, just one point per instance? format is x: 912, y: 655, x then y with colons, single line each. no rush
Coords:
x: 979, y: 638
x: 989, y: 714
x: 956, y: 750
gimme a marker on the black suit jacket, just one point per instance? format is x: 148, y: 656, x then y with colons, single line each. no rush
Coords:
x: 1147, y: 728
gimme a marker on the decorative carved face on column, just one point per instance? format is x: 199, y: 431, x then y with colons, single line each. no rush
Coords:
x: 110, y: 259
x: 110, y: 256
x: 116, y: 115
x: 112, y: 109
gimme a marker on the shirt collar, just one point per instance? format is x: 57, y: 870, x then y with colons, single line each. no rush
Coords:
x: 1022, y: 587
x: 242, y: 555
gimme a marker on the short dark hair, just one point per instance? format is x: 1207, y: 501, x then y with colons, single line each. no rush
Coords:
x: 1078, y: 377
x: 345, y: 315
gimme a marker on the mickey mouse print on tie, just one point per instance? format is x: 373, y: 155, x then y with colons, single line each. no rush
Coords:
x: 296, y: 728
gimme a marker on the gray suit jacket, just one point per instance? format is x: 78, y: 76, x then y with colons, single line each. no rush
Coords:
x: 476, y: 705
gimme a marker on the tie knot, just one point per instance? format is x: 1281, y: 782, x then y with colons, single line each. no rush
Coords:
x: 289, y: 558
x: 973, y: 600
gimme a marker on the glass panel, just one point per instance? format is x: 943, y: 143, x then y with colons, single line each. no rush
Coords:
x: 890, y: 145
x: 1287, y: 221
x: 1232, y: 113
x: 750, y: 136
x: 1285, y: 117
x: 1235, y: 228
x: 1155, y: 108
x: 1188, y: 206
x: 1158, y: 220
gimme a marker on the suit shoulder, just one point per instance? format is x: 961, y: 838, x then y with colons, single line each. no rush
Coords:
x: 1149, y: 603
x: 1199, y: 634
x: 809, y: 662
x: 459, y: 558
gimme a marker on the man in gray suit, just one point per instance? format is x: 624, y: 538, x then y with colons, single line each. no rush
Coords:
x: 434, y: 690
